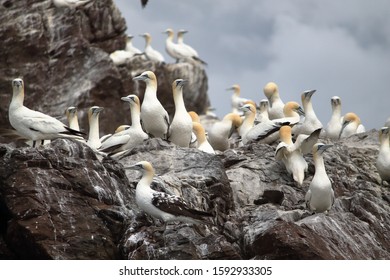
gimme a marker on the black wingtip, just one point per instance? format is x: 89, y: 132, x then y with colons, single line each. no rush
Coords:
x: 73, y: 131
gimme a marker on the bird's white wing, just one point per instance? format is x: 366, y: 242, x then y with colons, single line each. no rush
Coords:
x: 281, y: 151
x: 40, y: 122
x: 306, y: 142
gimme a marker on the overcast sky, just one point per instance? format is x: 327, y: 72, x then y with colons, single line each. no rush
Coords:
x: 336, y: 47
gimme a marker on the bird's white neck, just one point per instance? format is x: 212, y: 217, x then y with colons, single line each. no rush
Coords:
x: 319, y: 164
x: 151, y: 90
x: 73, y: 122
x: 135, y: 115
x: 17, y: 97
x: 179, y: 101
x: 147, y: 178
x: 93, y: 129
x: 385, y: 144
x: 336, y: 112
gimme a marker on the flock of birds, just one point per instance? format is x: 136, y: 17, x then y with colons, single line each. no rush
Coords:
x: 297, y: 129
x: 179, y: 51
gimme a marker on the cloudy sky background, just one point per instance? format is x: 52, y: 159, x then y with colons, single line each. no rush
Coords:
x: 336, y: 47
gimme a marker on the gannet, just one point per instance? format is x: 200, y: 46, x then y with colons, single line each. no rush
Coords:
x: 383, y: 160
x: 126, y: 137
x: 120, y: 57
x: 291, y: 155
x: 202, y: 143
x: 221, y: 131
x: 266, y: 131
x: 311, y: 122
x: 262, y: 113
x: 248, y: 122
x: 130, y: 48
x: 334, y: 125
x: 93, y: 119
x: 237, y: 101
x: 34, y: 125
x: 154, y: 117
x: 180, y: 130
x: 160, y: 205
x: 71, y: 115
x: 276, y: 105
x: 180, y: 41
x: 351, y: 125
x: 320, y: 196
x: 151, y: 53
x: 70, y: 3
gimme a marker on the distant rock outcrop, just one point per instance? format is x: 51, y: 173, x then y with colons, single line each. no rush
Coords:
x: 63, y: 57
x: 60, y: 202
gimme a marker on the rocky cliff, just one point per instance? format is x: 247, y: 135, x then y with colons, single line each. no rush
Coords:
x: 63, y: 57
x: 60, y: 202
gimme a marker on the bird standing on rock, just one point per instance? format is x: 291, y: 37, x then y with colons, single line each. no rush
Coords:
x: 93, y: 118
x: 160, y: 205
x: 151, y: 53
x: 320, y: 196
x: 34, y: 125
x: 155, y: 119
x: 276, y: 105
x: 180, y: 130
x: 291, y: 155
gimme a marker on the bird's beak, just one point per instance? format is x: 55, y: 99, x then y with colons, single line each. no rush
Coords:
x: 300, y: 111
x: 139, y: 78
x: 309, y: 93
x: 345, y: 123
x: 323, y: 148
x: 126, y: 99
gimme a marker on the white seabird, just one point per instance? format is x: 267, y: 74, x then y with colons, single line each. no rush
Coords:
x: 93, y: 119
x: 151, y: 53
x: 160, y: 205
x: 383, y: 160
x: 351, y: 125
x: 120, y: 57
x: 202, y: 143
x: 334, y: 125
x: 248, y: 122
x: 180, y: 41
x: 311, y: 122
x: 155, y: 119
x: 266, y: 131
x: 130, y: 48
x: 276, y: 105
x: 320, y: 196
x: 126, y: 137
x: 70, y: 3
x: 262, y: 113
x: 237, y: 101
x: 192, y: 51
x: 221, y: 131
x: 180, y: 130
x: 291, y: 155
x: 34, y: 125
x: 71, y: 116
